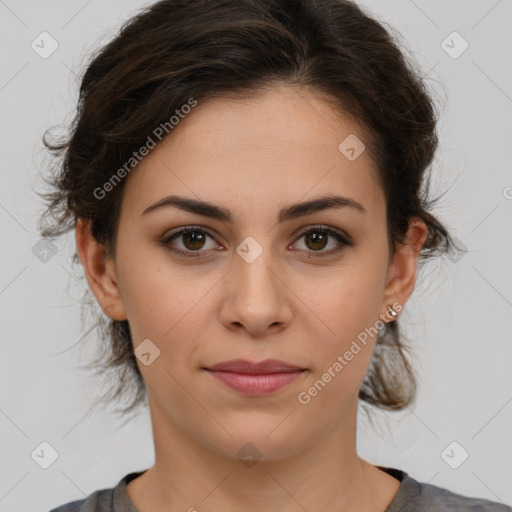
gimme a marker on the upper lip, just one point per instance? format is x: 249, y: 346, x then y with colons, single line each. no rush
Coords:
x: 255, y: 368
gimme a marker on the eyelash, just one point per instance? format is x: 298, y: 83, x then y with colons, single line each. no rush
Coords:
x: 344, y: 242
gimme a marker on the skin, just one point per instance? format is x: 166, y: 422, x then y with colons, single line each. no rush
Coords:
x: 254, y: 156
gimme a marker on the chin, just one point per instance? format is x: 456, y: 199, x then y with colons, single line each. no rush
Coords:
x: 260, y: 444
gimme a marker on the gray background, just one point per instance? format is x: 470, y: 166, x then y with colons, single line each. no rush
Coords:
x: 459, y: 318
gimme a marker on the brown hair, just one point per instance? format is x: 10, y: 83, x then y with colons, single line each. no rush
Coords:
x: 175, y: 50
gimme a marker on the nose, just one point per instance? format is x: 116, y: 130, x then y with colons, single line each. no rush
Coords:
x: 256, y: 297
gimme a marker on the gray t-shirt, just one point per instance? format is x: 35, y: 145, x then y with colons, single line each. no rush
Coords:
x: 412, y: 496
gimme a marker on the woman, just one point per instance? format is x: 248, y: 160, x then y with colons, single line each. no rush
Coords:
x: 246, y: 184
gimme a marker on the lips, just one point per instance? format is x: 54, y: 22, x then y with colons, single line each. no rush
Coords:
x: 262, y: 368
x: 256, y: 379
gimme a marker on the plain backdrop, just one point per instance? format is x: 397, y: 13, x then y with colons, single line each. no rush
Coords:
x: 459, y: 318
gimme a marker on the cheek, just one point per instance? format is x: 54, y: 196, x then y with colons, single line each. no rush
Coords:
x: 170, y: 303
x: 165, y: 303
x: 343, y: 353
x: 350, y: 301
x: 349, y: 306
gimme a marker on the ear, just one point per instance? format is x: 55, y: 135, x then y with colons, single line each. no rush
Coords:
x: 100, y: 271
x: 401, y: 277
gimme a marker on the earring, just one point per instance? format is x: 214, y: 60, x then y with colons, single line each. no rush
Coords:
x: 392, y: 312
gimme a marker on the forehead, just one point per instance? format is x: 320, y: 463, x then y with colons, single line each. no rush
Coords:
x: 277, y: 148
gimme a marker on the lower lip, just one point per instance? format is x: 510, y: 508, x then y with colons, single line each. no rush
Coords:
x: 255, y: 385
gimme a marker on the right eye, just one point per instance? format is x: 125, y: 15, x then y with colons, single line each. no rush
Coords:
x: 193, y: 240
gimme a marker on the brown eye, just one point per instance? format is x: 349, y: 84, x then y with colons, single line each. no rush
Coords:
x: 316, y: 239
x: 193, y: 241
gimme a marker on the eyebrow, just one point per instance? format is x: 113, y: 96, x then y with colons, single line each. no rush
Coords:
x: 287, y: 213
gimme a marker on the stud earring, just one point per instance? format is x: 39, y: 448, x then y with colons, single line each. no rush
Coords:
x: 392, y: 312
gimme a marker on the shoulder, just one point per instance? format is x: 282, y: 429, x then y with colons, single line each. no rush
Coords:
x: 432, y: 497
x: 415, y: 496
x: 98, y: 501
x: 114, y: 499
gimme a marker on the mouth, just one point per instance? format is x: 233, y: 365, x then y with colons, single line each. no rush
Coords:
x: 255, y: 368
x: 255, y: 379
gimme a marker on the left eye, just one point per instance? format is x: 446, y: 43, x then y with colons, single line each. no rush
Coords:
x: 316, y: 239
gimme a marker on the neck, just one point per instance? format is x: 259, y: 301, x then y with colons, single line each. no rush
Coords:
x: 325, y: 475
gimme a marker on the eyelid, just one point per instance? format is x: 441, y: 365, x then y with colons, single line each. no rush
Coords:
x: 329, y: 229
x: 169, y: 237
x: 344, y: 240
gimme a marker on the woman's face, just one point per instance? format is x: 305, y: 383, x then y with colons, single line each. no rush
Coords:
x: 257, y: 286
